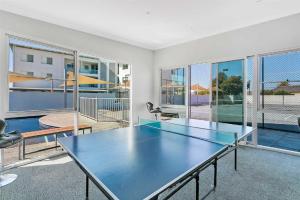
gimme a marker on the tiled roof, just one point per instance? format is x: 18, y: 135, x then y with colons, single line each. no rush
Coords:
x: 198, y: 87
x: 289, y: 88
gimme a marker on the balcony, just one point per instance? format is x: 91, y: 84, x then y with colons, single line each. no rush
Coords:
x: 88, y: 71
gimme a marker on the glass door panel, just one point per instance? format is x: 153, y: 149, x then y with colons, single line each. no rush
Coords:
x: 173, y: 92
x: 104, y: 94
x: 279, y: 106
x: 227, y: 92
x: 199, y: 91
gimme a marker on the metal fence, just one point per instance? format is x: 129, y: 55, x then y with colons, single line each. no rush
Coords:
x: 105, y: 109
x: 279, y: 100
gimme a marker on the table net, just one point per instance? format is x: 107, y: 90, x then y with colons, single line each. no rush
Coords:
x: 203, y: 133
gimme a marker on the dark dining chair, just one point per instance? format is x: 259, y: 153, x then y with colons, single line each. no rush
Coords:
x: 152, y: 110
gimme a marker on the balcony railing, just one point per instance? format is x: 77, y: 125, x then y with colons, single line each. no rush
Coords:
x: 88, y: 71
x: 105, y: 109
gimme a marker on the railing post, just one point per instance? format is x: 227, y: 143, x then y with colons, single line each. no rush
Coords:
x: 105, y: 109
x: 96, y: 109
x: 123, y: 111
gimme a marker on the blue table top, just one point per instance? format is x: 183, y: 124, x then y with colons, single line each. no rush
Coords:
x: 140, y: 161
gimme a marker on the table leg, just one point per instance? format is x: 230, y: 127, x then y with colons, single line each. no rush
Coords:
x: 215, y: 173
x: 197, y: 187
x: 87, y: 188
x: 20, y: 144
x: 56, y: 141
x: 23, y: 143
x: 235, y: 151
x: 235, y: 158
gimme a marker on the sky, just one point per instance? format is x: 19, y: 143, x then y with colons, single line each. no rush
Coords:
x: 282, y: 67
x: 277, y: 68
x: 200, y: 73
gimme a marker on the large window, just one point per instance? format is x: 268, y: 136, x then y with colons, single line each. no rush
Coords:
x: 173, y: 86
x: 32, y: 84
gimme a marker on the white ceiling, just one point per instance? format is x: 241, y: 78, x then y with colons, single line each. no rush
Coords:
x: 153, y: 24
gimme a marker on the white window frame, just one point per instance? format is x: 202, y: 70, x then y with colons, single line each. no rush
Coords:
x: 44, y: 60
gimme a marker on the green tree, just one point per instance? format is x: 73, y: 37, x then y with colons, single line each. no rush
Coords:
x: 232, y: 86
x: 221, y: 78
x: 284, y: 83
x: 282, y: 92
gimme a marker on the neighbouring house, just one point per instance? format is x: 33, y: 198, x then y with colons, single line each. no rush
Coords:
x: 53, y: 65
x: 288, y: 88
x: 198, y: 89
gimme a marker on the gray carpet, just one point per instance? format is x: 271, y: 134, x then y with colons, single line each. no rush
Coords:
x: 261, y: 175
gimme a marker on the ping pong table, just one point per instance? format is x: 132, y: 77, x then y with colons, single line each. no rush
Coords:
x: 153, y: 157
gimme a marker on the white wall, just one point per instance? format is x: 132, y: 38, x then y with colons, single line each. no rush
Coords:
x: 271, y: 36
x: 140, y: 59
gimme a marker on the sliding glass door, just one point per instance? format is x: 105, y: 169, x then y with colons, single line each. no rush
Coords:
x: 104, y: 93
x: 227, y: 92
x: 199, y: 91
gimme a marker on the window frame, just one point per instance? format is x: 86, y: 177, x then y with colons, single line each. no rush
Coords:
x: 185, y: 68
x: 25, y: 58
x: 44, y: 60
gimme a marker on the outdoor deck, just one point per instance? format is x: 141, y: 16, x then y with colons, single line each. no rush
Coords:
x: 46, y: 142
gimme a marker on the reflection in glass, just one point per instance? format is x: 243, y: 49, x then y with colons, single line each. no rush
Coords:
x: 227, y: 87
x: 173, y: 87
x: 199, y: 91
x: 35, y: 84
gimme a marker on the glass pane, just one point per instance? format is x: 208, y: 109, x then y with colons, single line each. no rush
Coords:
x: 249, y: 93
x: 229, y: 94
x: 112, y: 74
x: 173, y: 92
x: 37, y: 75
x: 173, y: 86
x: 107, y: 105
x: 199, y: 91
x: 279, y: 101
x: 88, y: 68
x: 214, y: 92
x: 34, y: 85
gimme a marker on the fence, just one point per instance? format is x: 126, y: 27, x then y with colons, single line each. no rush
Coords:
x: 105, y: 109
